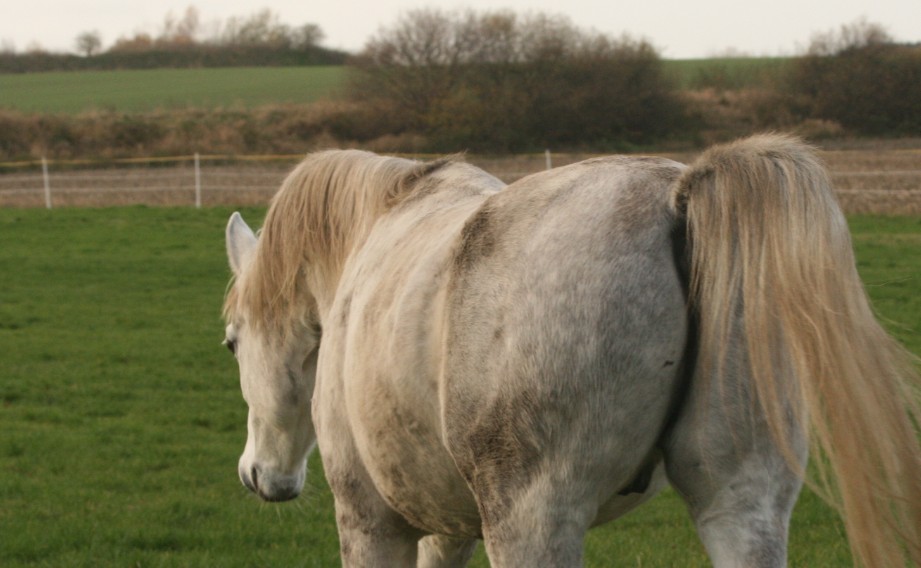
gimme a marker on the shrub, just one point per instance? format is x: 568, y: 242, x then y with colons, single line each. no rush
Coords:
x: 863, y: 81
x: 16, y: 134
x: 499, y: 82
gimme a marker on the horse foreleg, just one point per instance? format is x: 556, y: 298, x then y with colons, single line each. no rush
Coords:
x: 367, y: 544
x: 438, y: 551
x: 371, y: 535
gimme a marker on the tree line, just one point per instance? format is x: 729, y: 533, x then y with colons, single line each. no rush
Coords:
x: 259, y: 39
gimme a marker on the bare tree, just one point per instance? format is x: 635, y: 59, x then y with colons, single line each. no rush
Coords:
x: 306, y: 36
x: 35, y: 48
x: 181, y: 32
x: 262, y: 28
x: 859, y: 77
x: 89, y: 43
x: 500, y: 81
x: 856, y: 35
x: 139, y: 42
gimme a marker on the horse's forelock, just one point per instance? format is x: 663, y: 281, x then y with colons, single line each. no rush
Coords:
x: 230, y: 301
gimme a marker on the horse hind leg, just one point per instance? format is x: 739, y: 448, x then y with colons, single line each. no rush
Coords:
x: 738, y: 486
x: 439, y: 551
x: 744, y: 523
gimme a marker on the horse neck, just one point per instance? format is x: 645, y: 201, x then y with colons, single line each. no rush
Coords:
x: 322, y: 283
x: 324, y: 274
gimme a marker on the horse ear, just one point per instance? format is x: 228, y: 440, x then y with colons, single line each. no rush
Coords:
x: 240, y: 242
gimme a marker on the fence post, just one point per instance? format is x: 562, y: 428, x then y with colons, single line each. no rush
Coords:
x: 47, y: 183
x: 197, y: 182
x: 547, y: 156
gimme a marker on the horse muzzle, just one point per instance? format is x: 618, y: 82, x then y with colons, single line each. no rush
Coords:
x: 272, y: 488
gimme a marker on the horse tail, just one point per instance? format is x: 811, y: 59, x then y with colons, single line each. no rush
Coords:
x: 769, y: 243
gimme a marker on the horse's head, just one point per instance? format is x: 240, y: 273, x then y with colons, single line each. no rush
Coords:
x: 277, y: 361
x: 283, y: 280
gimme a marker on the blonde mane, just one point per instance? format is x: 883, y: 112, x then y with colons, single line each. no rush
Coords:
x: 324, y: 208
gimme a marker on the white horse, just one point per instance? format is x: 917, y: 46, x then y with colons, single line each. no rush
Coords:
x: 518, y: 364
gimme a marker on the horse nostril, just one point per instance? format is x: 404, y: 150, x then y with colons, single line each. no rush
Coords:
x: 248, y: 482
x: 255, y: 479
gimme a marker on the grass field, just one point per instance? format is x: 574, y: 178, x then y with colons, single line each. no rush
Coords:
x: 142, y: 90
x: 727, y: 72
x: 121, y: 420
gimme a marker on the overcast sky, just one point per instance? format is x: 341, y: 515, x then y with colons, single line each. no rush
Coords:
x: 678, y: 29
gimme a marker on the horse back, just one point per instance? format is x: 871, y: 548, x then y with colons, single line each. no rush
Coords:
x: 565, y: 330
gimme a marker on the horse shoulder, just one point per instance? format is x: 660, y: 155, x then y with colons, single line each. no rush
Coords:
x: 386, y: 313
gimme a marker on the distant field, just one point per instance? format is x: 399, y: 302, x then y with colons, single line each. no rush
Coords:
x: 142, y: 90
x: 122, y: 420
x: 727, y: 72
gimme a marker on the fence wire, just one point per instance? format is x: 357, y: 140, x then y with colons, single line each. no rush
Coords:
x: 863, y: 186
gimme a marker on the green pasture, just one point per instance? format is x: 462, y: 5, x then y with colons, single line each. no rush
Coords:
x: 143, y: 90
x: 728, y: 73
x: 121, y: 420
x: 248, y: 87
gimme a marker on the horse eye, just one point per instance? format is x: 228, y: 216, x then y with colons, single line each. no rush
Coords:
x: 231, y: 345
